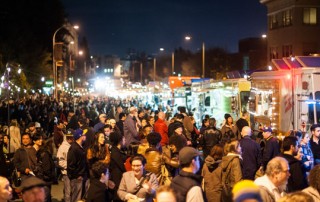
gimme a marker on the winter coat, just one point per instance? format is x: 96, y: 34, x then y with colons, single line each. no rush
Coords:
x: 97, y: 191
x: 116, y: 168
x: 45, y: 167
x: 130, y: 130
x: 298, y: 178
x: 229, y: 132
x: 231, y: 174
x: 154, y: 161
x: 211, y: 173
x: 251, y: 157
x: 128, y: 185
x: 76, y: 162
x: 161, y: 127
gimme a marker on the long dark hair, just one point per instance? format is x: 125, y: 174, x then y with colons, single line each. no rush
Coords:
x: 98, y: 151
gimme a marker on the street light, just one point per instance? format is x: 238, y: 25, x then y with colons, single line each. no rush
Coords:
x: 188, y: 38
x: 54, y: 65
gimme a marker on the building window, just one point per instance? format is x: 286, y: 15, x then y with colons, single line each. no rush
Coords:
x: 287, y: 18
x: 273, y: 22
x: 310, y: 16
x: 286, y: 50
x: 273, y: 53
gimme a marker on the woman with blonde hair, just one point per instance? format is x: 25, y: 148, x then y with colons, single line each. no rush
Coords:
x: 231, y: 168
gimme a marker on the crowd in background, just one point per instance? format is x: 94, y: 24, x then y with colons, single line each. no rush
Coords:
x: 107, y: 149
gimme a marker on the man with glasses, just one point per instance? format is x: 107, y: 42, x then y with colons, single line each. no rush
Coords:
x: 273, y: 184
x: 298, y: 178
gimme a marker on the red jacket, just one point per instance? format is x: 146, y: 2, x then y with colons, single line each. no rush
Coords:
x: 161, y: 127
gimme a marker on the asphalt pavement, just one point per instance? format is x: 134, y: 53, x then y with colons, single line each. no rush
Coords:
x: 57, y: 192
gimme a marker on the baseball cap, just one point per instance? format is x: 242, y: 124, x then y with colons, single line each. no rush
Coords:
x: 77, y: 134
x: 70, y: 132
x: 267, y: 129
x: 186, y: 154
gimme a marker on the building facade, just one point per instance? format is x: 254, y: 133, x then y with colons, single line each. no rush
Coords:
x: 293, y: 27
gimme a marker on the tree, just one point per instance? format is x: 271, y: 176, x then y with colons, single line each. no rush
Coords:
x: 26, y: 30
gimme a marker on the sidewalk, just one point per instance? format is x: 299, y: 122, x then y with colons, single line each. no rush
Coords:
x: 57, y: 192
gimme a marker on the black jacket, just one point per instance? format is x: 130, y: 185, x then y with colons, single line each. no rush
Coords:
x: 116, y: 168
x: 76, y: 162
x: 97, y: 191
x: 270, y: 150
x: 298, y: 178
x: 45, y: 167
x: 183, y: 182
x: 251, y: 157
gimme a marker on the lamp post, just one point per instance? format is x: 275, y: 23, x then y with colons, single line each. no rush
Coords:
x: 154, y: 69
x: 54, y: 65
x: 203, y: 60
x: 188, y: 38
x: 172, y: 62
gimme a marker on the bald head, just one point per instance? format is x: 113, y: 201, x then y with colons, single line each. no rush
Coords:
x: 161, y: 115
x: 246, y: 131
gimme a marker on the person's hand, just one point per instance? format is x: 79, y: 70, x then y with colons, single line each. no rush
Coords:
x: 147, y: 186
x: 111, y: 184
x: 27, y: 171
x: 307, y: 163
x: 130, y: 196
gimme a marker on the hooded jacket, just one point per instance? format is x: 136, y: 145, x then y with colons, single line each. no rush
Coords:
x: 211, y: 173
x: 231, y: 174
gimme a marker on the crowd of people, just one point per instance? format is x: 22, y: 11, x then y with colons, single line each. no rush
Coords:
x: 107, y: 149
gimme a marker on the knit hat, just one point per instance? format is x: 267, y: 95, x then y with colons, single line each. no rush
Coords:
x: 246, y: 189
x: 176, y: 125
x: 226, y: 116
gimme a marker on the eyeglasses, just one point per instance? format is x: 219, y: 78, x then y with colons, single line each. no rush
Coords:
x: 136, y: 165
x: 286, y: 171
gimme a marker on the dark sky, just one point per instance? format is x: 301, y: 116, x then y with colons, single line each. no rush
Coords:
x: 111, y: 27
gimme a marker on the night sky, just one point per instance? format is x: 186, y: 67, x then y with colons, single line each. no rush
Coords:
x: 111, y: 27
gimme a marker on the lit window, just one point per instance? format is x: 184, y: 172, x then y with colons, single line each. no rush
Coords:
x: 310, y: 16
x: 287, y: 18
x: 273, y: 22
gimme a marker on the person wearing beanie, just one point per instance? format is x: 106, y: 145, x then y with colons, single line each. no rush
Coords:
x: 229, y: 129
x: 246, y: 190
